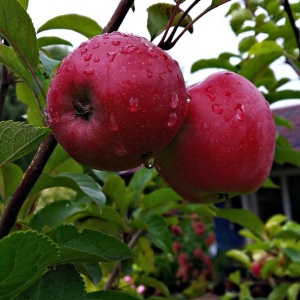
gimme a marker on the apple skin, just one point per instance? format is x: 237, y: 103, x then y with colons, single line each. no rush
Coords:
x: 226, y: 144
x: 116, y: 101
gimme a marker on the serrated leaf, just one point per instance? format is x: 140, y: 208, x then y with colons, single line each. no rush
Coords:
x: 159, y: 233
x: 10, y: 176
x: 60, y: 283
x: 92, y: 271
x: 159, y: 15
x: 55, y: 213
x: 18, y: 139
x: 17, y: 28
x: 110, y: 295
x: 9, y: 58
x: 45, y: 41
x: 81, y: 24
x: 77, y: 181
x: 243, y: 217
x: 24, y: 258
x: 88, y: 245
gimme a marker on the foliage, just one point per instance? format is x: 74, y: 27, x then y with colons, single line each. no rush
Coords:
x: 71, y: 232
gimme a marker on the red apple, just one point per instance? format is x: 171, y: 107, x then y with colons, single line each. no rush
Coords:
x: 116, y: 101
x: 226, y: 144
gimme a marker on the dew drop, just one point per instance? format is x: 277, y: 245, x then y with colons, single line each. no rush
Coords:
x: 105, y: 36
x: 179, y: 79
x: 89, y: 71
x: 205, y: 126
x: 161, y: 76
x: 111, y: 56
x: 82, y: 44
x: 121, y: 150
x: 188, y: 99
x: 169, y: 68
x: 88, y: 56
x: 209, y: 93
x: 84, y: 50
x: 149, y: 73
x: 129, y: 48
x: 96, y: 59
x: 164, y: 56
x: 240, y: 112
x: 113, y: 123
x: 172, y: 119
x: 174, y: 100
x: 151, y: 52
x: 217, y: 108
x: 133, y: 104
x: 149, y: 163
x: 116, y: 42
x: 95, y: 46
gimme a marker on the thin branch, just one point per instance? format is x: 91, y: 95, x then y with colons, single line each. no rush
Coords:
x: 116, y: 271
x: 118, y: 16
x: 288, y: 10
x: 30, y: 177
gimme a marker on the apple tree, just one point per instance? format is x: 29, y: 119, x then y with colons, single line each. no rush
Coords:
x: 72, y: 228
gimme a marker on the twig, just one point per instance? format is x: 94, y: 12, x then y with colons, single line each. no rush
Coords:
x: 115, y: 273
x: 118, y: 16
x: 30, y: 177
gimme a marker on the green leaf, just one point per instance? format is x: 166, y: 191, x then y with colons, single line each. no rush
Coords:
x: 45, y: 41
x: 24, y: 258
x: 280, y: 121
x: 145, y: 255
x: 9, y: 58
x: 246, y: 43
x: 283, y: 95
x: 88, y: 245
x: 269, y: 184
x: 235, y: 277
x: 266, y: 48
x: 238, y: 17
x: 279, y: 292
x: 239, y: 256
x: 10, y: 176
x: 159, y: 233
x: 293, y: 291
x: 91, y: 270
x: 159, y: 15
x: 81, y: 24
x: 110, y: 295
x: 292, y: 254
x: 17, y: 28
x: 154, y: 283
x: 26, y: 95
x: 77, y: 181
x: 243, y: 217
x: 111, y: 215
x: 59, y: 283
x: 48, y: 63
x: 18, y: 139
x: 56, y: 213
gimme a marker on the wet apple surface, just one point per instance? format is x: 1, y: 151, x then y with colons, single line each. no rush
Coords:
x: 116, y: 101
x: 226, y: 144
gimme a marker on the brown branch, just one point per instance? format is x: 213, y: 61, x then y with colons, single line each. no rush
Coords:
x: 30, y: 177
x: 116, y: 271
x: 118, y: 16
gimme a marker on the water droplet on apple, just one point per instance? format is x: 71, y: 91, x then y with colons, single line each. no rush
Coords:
x: 209, y: 93
x: 89, y: 71
x: 169, y: 68
x: 164, y: 56
x: 121, y: 150
x: 188, y: 99
x: 172, y: 119
x: 96, y: 59
x: 133, y: 104
x: 129, y: 48
x: 113, y: 123
x: 240, y: 112
x: 205, y: 126
x: 105, y: 36
x: 151, y: 52
x: 217, y: 108
x: 116, y: 42
x: 84, y: 50
x: 161, y: 76
x: 88, y: 56
x: 174, y: 100
x: 179, y: 79
x: 95, y: 46
x: 111, y: 56
x: 149, y: 73
x: 149, y: 163
x: 82, y: 44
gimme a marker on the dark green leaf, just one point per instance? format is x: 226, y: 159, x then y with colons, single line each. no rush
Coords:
x: 18, y: 139
x: 82, y: 24
x: 88, y: 245
x: 283, y: 95
x: 280, y: 121
x: 91, y: 270
x: 45, y: 41
x: 17, y: 28
x: 145, y: 255
x: 110, y: 295
x: 9, y: 58
x: 59, y: 283
x: 159, y: 233
x: 56, y: 213
x: 246, y: 43
x: 159, y: 15
x: 48, y: 63
x: 243, y: 217
x: 292, y: 254
x: 24, y: 258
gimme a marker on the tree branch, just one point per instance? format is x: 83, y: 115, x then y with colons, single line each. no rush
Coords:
x: 30, y: 177
x: 118, y: 16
